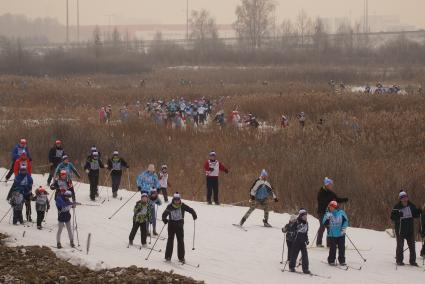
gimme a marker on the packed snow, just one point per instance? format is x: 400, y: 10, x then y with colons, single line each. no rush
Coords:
x: 225, y: 253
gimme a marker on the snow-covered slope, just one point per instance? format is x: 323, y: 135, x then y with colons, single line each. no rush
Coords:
x: 226, y: 254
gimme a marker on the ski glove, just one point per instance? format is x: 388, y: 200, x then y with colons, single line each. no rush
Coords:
x: 343, y: 231
x: 276, y: 199
x: 307, y: 242
x: 87, y: 171
x: 226, y: 171
x: 165, y: 221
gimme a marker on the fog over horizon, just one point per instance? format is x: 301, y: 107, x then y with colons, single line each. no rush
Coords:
x: 125, y: 12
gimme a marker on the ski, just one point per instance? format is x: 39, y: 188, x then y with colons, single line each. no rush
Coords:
x: 346, y: 248
x: 345, y: 268
x: 67, y: 249
x: 139, y: 247
x: 189, y: 264
x: 308, y: 274
x: 355, y: 268
x: 240, y: 227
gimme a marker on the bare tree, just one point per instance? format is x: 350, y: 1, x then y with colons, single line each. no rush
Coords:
x: 204, y: 30
x: 320, y: 38
x: 304, y: 26
x: 253, y: 21
x: 288, y: 33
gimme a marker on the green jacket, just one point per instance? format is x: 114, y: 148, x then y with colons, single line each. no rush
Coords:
x: 142, y: 212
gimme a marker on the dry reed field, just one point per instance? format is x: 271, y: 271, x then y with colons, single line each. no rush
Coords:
x: 369, y: 164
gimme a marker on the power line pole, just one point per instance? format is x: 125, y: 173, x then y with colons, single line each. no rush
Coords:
x: 67, y: 22
x: 78, y: 20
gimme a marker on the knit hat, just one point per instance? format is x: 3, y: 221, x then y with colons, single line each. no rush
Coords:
x: 58, y: 142
x: 177, y: 196
x: 333, y: 204
x: 302, y: 212
x: 93, y: 149
x: 264, y: 173
x: 41, y: 190
x: 402, y: 194
x: 144, y: 194
x: 164, y: 167
x: 95, y: 154
x: 212, y: 153
x: 115, y: 153
x: 65, y: 157
x: 328, y: 181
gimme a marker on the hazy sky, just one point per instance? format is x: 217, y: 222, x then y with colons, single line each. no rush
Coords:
x: 174, y: 11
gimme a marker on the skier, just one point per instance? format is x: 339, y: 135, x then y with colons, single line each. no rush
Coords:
x: 42, y: 205
x: 212, y: 169
x: 55, y: 158
x: 92, y: 167
x: 260, y: 192
x: 300, y: 242
x: 324, y: 197
x: 68, y: 167
x: 62, y: 184
x: 290, y: 232
x: 115, y: 166
x: 23, y: 185
x: 16, y: 153
x: 148, y: 180
x: 284, y: 122
x: 141, y: 218
x: 301, y: 119
x: 154, y: 201
x: 22, y: 161
x: 403, y: 215
x: 163, y: 182
x: 336, y: 221
x: 64, y: 217
x: 174, y: 216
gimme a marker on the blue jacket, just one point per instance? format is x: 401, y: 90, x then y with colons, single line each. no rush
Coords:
x: 336, y: 222
x: 23, y: 184
x: 146, y: 181
x: 261, y: 190
x: 18, y: 150
x: 64, y: 206
x: 69, y: 168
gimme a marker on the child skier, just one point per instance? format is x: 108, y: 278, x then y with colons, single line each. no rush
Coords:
x: 22, y: 161
x: 92, y: 167
x: 63, y: 184
x: 141, y: 218
x: 290, y: 232
x: 42, y: 205
x: 154, y: 201
x: 163, y: 182
x: 23, y: 184
x: 116, y: 165
x: 300, y: 242
x: 64, y: 205
x: 174, y: 216
x: 261, y: 190
x: 336, y: 221
x: 17, y: 202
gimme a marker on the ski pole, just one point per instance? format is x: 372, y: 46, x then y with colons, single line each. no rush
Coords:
x: 283, y: 247
x: 312, y: 243
x: 364, y: 259
x: 2, y: 177
x: 105, y: 183
x: 88, y: 243
x: 194, y: 230
x: 6, y: 214
x: 123, y: 205
x: 150, y: 233
x: 155, y: 242
x: 76, y: 227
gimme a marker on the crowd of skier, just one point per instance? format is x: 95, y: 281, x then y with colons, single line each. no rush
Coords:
x: 151, y: 184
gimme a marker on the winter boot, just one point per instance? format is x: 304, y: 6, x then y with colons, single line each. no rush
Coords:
x: 400, y: 263
x: 155, y: 233
x: 182, y: 260
x: 130, y: 242
x: 292, y: 270
x: 59, y: 245
x: 242, y: 221
x: 168, y: 259
x: 39, y: 227
x: 307, y: 272
x: 414, y: 264
x: 114, y: 195
x: 266, y: 224
x: 72, y: 244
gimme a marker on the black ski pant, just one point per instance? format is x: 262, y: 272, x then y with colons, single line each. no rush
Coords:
x: 175, y: 229
x: 212, y: 188
x: 10, y: 172
x: 298, y: 247
x: 143, y: 232
x: 40, y: 217
x: 51, y: 173
x: 116, y: 181
x: 163, y: 190
x: 17, y: 217
x: 289, y: 244
x: 400, y: 248
x: 334, y: 244
x: 320, y: 232
x: 94, y: 181
x: 28, y: 208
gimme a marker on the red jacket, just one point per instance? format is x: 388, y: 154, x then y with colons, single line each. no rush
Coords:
x: 18, y: 163
x: 213, y: 168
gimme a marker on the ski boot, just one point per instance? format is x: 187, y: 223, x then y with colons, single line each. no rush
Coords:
x: 72, y: 244
x: 306, y: 271
x: 155, y: 233
x: 182, y: 261
x: 59, y: 246
x: 266, y: 224
x: 130, y: 243
x: 242, y: 221
x: 292, y: 270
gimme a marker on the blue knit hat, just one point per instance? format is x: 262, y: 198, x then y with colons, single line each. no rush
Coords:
x: 264, y: 173
x: 328, y: 181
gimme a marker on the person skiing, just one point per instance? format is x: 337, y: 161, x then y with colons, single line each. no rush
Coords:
x: 212, y: 169
x: 301, y: 119
x: 92, y: 168
x: 116, y: 164
x: 173, y: 215
x: 148, y: 180
x: 22, y: 184
x: 163, y: 182
x: 284, y: 122
x: 22, y: 161
x: 336, y: 221
x: 16, y: 153
x: 64, y: 205
x: 300, y: 242
x: 55, y: 158
x: 42, y: 205
x: 154, y: 201
x: 141, y: 218
x: 260, y: 192
x: 68, y: 167
x: 403, y: 215
x: 325, y: 195
x: 62, y: 184
x: 290, y: 232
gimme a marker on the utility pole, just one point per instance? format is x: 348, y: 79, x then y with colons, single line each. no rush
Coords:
x: 187, y: 19
x: 67, y: 22
x: 78, y: 20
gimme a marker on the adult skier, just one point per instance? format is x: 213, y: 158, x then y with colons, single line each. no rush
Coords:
x: 403, y: 215
x: 22, y: 161
x: 23, y: 184
x: 212, y: 169
x: 17, y: 151
x: 141, y: 218
x: 55, y: 158
x: 64, y: 205
x: 324, y: 197
x: 63, y: 184
x: 148, y: 180
x: 163, y: 182
x: 173, y: 215
x: 336, y: 221
x: 260, y: 192
x: 116, y: 164
x: 300, y: 242
x: 92, y: 167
